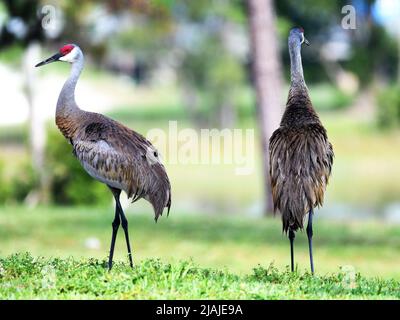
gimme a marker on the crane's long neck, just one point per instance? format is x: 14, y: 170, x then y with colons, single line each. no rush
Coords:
x: 296, y: 67
x: 67, y: 111
x: 299, y: 109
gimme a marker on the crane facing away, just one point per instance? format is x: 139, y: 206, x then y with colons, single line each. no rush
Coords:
x: 301, y: 156
x: 110, y: 152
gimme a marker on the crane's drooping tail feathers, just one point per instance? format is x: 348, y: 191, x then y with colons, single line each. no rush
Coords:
x: 159, y: 191
x: 295, y: 207
x: 293, y: 203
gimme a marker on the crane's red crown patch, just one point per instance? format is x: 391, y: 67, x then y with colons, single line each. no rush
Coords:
x: 66, y: 49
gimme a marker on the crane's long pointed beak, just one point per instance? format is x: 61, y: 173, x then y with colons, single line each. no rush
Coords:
x: 306, y: 42
x: 53, y: 58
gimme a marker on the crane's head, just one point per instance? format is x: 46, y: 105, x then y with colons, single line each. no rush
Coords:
x: 68, y: 53
x: 298, y: 32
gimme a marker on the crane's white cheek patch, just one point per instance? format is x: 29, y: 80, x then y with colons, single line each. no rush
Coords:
x: 70, y: 57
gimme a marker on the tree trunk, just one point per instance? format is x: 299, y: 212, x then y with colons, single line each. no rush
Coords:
x: 267, y: 77
x: 37, y: 130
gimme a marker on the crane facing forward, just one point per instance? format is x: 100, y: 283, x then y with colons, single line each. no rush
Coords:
x: 110, y: 152
x: 300, y: 154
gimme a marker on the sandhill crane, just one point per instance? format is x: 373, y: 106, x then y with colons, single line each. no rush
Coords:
x: 110, y: 152
x: 300, y: 154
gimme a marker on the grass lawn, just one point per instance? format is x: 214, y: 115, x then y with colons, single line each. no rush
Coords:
x: 25, y: 277
x: 232, y: 245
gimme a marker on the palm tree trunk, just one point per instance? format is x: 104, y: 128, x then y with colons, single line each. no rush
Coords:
x: 267, y: 77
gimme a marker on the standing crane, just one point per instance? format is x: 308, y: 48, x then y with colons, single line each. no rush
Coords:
x: 110, y: 152
x: 300, y: 154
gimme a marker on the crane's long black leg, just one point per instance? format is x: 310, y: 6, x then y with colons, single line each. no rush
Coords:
x: 124, y: 223
x: 291, y: 238
x: 115, y: 226
x: 309, y: 235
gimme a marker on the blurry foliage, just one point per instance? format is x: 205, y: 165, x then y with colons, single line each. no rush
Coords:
x: 27, y: 11
x: 23, y: 182
x: 373, y: 51
x: 328, y: 98
x: 4, y: 185
x: 316, y: 17
x: 156, y: 24
x: 146, y: 49
x: 190, y: 38
x: 16, y: 187
x: 367, y: 61
x: 12, y: 55
x: 69, y: 183
x: 212, y: 76
x: 389, y: 107
x: 13, y: 134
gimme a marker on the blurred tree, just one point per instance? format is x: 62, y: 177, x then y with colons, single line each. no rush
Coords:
x: 267, y: 78
x: 23, y: 26
x: 212, y: 77
x: 212, y: 46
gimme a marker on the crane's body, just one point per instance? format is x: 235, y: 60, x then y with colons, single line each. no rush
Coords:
x: 109, y: 151
x: 118, y: 157
x: 300, y: 154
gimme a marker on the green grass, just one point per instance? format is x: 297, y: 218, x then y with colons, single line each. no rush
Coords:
x: 190, y: 256
x: 25, y: 277
x: 211, y: 241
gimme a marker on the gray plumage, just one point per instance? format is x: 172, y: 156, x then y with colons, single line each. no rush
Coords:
x: 300, y: 154
x: 122, y: 159
x: 109, y: 151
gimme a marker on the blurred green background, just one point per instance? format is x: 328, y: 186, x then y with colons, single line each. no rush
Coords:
x: 150, y: 62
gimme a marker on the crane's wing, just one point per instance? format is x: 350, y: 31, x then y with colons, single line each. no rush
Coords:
x: 123, y: 159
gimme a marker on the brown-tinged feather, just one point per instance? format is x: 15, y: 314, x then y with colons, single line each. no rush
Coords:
x: 119, y: 157
x: 300, y: 160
